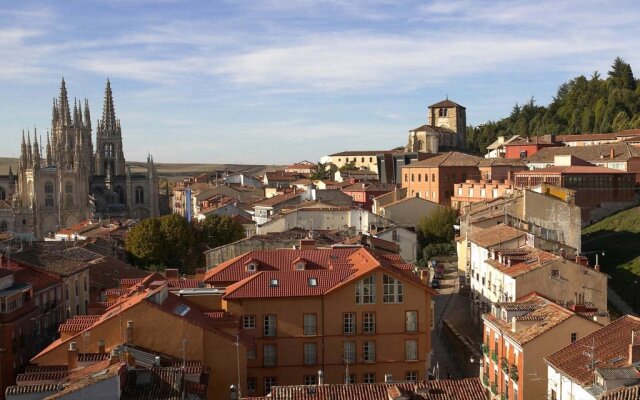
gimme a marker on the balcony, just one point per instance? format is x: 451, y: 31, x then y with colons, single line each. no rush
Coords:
x: 514, y: 372
x: 505, y: 365
x: 494, y: 388
x: 485, y: 349
x: 494, y: 356
x: 485, y: 380
x: 504, y: 396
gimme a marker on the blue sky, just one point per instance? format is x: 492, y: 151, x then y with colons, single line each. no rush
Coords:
x: 268, y: 81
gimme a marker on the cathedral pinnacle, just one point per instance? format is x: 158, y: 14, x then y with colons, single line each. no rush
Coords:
x: 87, y: 116
x: 108, y: 111
x: 64, y: 104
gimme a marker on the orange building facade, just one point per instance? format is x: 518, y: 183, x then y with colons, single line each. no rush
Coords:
x: 353, y: 315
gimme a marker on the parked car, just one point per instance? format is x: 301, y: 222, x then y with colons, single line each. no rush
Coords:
x: 435, y: 284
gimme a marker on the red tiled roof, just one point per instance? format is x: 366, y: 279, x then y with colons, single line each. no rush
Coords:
x: 623, y: 393
x: 184, y: 283
x: 450, y: 159
x: 495, y: 235
x: 586, y: 137
x: 610, y: 349
x: 524, y: 260
x: 443, y: 389
x: 571, y: 169
x: 272, y: 201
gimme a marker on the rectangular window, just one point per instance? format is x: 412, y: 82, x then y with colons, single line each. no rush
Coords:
x: 309, y: 324
x: 310, y: 380
x: 369, y: 377
x: 392, y: 290
x: 269, y: 355
x: 483, y: 193
x: 251, y: 353
x: 269, y: 382
x: 349, y: 323
x: 412, y: 177
x: 494, y: 193
x: 349, y: 379
x: 252, y: 384
x: 309, y: 354
x: 411, y: 321
x: 269, y: 325
x: 369, y: 351
x: 248, y: 322
x: 366, y: 290
x: 411, y: 376
x: 349, y: 352
x: 470, y: 192
x: 411, y: 350
x: 574, y: 336
x: 460, y: 191
x: 369, y: 322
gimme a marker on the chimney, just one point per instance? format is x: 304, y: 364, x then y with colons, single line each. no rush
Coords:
x: 101, y: 346
x: 634, y: 349
x: 320, y: 377
x: 612, y: 153
x: 388, y: 378
x: 596, y: 267
x: 200, y: 274
x: 171, y: 273
x: 129, y: 333
x: 307, y: 244
x: 72, y: 356
x: 114, y: 357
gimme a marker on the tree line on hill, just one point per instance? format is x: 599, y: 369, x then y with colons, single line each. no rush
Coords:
x: 171, y: 241
x: 582, y: 105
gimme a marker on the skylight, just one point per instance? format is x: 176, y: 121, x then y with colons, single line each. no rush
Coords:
x: 274, y: 282
x: 181, y: 310
x: 313, y: 281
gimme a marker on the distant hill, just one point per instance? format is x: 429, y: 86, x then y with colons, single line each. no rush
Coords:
x: 618, y: 237
x: 170, y: 171
x: 582, y: 105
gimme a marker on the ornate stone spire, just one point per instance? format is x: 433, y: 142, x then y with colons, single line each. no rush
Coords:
x: 87, y: 116
x: 29, y: 151
x: 36, y: 150
x: 63, y: 104
x: 108, y: 110
x: 55, y: 116
x: 49, y: 159
x: 23, y: 153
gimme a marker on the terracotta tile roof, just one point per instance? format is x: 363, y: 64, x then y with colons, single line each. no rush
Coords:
x: 546, y: 316
x: 272, y: 201
x: 234, y: 270
x: 108, y: 272
x: 445, y: 104
x: 78, y: 323
x: 360, y: 153
x: 50, y: 260
x: 163, y: 384
x: 48, y: 377
x: 611, y: 350
x: 184, y: 283
x: 371, y: 187
x: 241, y: 219
x: 586, y: 137
x: 597, y: 153
x: 568, y: 170
x: 501, y: 162
x: 532, y: 140
x: 623, y: 393
x: 524, y: 259
x: 92, y: 357
x: 38, y: 369
x: 496, y: 144
x: 32, y: 389
x: 443, y: 389
x: 449, y: 159
x: 495, y: 235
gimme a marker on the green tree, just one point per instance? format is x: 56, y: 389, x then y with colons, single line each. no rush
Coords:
x: 180, y: 238
x: 620, y: 122
x: 349, y: 166
x: 219, y: 230
x: 322, y: 172
x: 437, y: 227
x: 146, y: 243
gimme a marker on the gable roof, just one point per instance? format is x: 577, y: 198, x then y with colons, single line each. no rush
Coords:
x: 449, y: 159
x: 610, y: 349
x: 275, y: 200
x: 494, y: 235
x: 497, y: 143
x: 597, y: 153
x: 623, y: 393
x: 432, y: 128
x: 445, y: 103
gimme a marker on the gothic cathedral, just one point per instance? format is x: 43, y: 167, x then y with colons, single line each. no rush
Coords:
x: 66, y: 182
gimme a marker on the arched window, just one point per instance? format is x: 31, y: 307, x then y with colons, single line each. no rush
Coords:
x: 108, y: 150
x: 4, y: 226
x: 48, y: 201
x: 68, y: 187
x: 139, y: 195
x: 3, y: 194
x: 48, y: 187
x: 68, y: 201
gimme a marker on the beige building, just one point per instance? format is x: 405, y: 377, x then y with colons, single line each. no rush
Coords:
x: 445, y: 129
x: 517, y: 336
x: 408, y: 211
x: 365, y: 160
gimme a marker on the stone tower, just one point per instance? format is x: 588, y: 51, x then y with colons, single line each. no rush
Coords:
x: 450, y: 115
x: 109, y: 159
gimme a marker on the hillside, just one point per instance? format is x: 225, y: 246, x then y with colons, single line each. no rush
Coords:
x: 582, y: 105
x: 169, y: 171
x: 619, y: 237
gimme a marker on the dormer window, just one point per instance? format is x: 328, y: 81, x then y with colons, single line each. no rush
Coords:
x: 300, y: 266
x: 273, y: 282
x: 312, y: 281
x: 251, y: 266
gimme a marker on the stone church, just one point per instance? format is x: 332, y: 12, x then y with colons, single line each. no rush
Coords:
x: 445, y: 129
x: 65, y: 181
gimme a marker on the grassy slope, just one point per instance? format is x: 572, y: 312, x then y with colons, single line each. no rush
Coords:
x: 619, y: 237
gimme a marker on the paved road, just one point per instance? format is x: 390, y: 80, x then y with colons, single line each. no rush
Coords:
x: 454, y: 307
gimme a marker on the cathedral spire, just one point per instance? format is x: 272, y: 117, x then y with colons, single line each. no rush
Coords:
x: 87, y: 116
x: 49, y: 160
x: 36, y: 150
x: 108, y: 111
x: 77, y: 113
x: 64, y: 104
x: 23, y: 153
x: 54, y: 113
x: 29, y: 151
